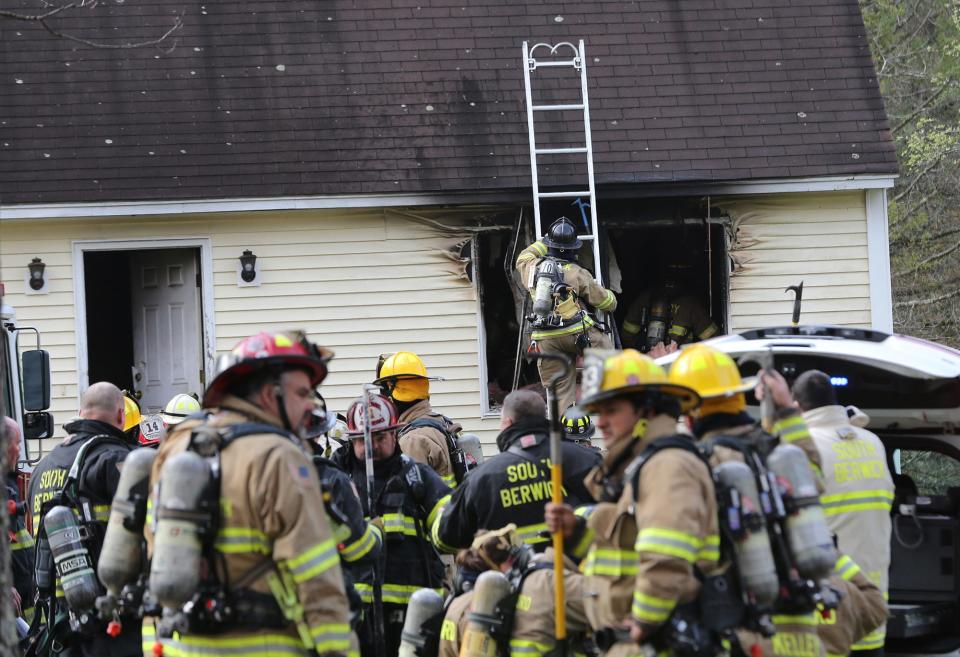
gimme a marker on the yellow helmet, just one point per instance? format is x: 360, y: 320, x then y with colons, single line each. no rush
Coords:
x: 404, y: 375
x: 710, y: 372
x: 131, y: 412
x: 610, y: 374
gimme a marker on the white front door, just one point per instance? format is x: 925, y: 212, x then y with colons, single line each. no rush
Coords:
x: 166, y: 325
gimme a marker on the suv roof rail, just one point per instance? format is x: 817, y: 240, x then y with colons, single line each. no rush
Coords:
x: 817, y: 331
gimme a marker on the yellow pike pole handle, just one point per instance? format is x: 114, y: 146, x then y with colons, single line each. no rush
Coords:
x: 556, y: 480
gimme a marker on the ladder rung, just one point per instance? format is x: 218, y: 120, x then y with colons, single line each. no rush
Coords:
x: 548, y: 108
x: 586, y: 237
x: 559, y: 151
x: 565, y: 62
x: 563, y: 194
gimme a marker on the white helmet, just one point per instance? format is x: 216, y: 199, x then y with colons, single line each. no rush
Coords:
x: 178, y: 408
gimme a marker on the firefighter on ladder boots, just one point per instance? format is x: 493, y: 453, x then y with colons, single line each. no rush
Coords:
x: 562, y: 293
x: 654, y: 532
x: 427, y: 436
x: 265, y: 578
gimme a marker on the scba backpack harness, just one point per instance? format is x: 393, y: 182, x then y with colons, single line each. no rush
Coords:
x: 200, y: 600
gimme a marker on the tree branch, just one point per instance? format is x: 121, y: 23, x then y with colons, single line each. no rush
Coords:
x: 36, y: 17
x: 177, y: 24
x: 42, y: 20
x: 920, y: 175
x: 923, y: 106
x: 928, y: 238
x: 926, y: 302
x: 927, y: 261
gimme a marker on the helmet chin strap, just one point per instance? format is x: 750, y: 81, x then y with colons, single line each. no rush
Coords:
x: 282, y: 408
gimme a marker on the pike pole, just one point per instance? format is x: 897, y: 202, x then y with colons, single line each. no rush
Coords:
x: 377, y: 610
x: 556, y: 479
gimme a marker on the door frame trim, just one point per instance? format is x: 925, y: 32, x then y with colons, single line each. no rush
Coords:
x: 207, y: 323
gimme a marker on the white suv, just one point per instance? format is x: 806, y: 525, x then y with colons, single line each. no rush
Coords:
x: 910, y: 389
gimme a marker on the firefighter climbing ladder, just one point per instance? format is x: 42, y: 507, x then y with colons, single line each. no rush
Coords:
x: 552, y: 57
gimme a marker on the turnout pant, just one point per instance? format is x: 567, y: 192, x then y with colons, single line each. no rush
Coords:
x: 566, y: 344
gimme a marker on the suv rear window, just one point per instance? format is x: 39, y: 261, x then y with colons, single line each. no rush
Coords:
x: 932, y: 472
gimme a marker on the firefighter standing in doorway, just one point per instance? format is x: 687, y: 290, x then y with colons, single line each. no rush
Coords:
x: 563, y: 293
x: 654, y: 532
x: 272, y: 553
x: 427, y: 436
x: 667, y: 315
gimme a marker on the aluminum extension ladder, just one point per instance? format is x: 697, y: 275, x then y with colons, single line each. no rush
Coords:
x: 579, y: 63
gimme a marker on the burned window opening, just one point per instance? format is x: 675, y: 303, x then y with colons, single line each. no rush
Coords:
x: 633, y: 250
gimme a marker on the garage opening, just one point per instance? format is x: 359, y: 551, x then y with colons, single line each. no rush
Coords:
x: 640, y: 243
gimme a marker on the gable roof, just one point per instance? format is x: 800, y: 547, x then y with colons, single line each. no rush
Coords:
x: 293, y: 97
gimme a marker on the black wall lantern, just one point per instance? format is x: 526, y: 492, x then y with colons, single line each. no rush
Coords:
x: 36, y: 267
x: 248, y: 266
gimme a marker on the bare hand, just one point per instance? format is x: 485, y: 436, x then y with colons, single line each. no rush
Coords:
x: 16, y: 602
x: 559, y: 517
x: 779, y: 389
x: 636, y: 634
x: 662, y: 350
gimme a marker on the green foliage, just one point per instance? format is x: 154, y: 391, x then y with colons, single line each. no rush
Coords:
x: 916, y: 46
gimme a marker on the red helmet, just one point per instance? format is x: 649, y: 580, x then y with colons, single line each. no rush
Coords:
x: 383, y: 415
x: 276, y: 349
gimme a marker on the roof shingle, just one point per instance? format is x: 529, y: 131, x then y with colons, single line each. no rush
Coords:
x: 271, y: 98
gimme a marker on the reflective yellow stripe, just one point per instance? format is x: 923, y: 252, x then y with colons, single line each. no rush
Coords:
x: 435, y: 536
x: 861, y: 500
x: 791, y: 429
x: 21, y: 541
x: 253, y: 645
x: 677, y: 544
x: 318, y: 559
x: 101, y: 512
x: 398, y: 523
x: 437, y: 510
x: 846, y: 568
x: 400, y: 593
x: 607, y: 302
x: 678, y: 330
x: 526, y: 648
x: 239, y: 540
x: 799, y: 619
x: 708, y: 332
x: 586, y: 322
x: 362, y: 546
x: 874, y: 640
x: 631, y: 328
x: 450, y: 480
x: 610, y: 562
x: 365, y: 591
x: 648, y: 608
x: 531, y: 533
x: 331, y: 637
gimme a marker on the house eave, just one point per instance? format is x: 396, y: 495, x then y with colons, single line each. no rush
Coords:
x: 279, y: 203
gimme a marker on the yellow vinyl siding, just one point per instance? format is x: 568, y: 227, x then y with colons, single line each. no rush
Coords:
x: 781, y: 239
x: 360, y: 282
